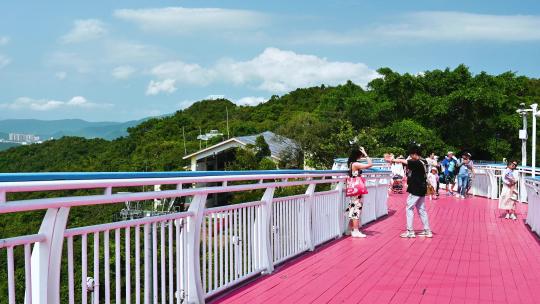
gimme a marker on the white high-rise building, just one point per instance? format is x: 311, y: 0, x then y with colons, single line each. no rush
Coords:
x: 23, y: 138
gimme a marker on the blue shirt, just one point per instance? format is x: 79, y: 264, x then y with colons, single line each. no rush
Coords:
x: 464, y: 168
x: 449, y: 165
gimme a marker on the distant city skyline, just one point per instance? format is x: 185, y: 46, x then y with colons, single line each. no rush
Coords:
x: 125, y: 60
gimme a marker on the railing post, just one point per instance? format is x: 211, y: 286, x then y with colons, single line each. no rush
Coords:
x: 195, y: 293
x: 47, y: 257
x: 493, y: 189
x: 264, y: 231
x: 340, y: 223
x: 309, y: 217
x: 523, y: 197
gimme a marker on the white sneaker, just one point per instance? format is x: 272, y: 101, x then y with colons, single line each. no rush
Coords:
x: 507, y: 216
x: 463, y: 196
x: 357, y: 234
x: 513, y: 216
x: 426, y: 233
x: 408, y: 234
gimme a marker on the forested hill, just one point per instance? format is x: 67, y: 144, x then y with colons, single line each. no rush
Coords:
x: 442, y: 109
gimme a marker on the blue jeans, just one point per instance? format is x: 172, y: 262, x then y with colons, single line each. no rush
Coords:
x: 463, y: 181
x: 419, y: 203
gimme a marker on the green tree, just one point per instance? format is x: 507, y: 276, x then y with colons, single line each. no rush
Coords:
x: 262, y: 149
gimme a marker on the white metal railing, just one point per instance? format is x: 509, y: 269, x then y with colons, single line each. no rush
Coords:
x: 179, y: 257
x: 533, y: 211
x: 488, y: 181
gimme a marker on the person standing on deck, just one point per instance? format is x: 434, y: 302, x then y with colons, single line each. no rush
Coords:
x: 354, y: 209
x: 465, y: 167
x: 508, y: 198
x: 433, y: 163
x: 449, y: 165
x: 417, y: 185
x: 433, y: 180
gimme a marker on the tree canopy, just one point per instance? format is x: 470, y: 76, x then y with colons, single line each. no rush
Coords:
x: 442, y: 109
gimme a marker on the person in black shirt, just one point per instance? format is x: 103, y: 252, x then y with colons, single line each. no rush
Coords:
x: 416, y: 186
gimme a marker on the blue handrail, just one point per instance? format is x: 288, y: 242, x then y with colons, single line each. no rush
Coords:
x: 53, y: 176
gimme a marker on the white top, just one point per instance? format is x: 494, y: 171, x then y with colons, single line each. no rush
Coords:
x: 432, y: 179
x: 431, y: 163
x: 510, y: 177
x: 397, y: 169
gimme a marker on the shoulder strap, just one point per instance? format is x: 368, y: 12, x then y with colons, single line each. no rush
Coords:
x: 425, y: 164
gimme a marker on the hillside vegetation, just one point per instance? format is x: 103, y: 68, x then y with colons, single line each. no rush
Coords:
x: 442, y: 109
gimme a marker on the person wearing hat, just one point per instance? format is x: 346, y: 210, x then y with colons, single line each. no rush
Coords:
x: 449, y: 165
x: 433, y: 161
x: 433, y: 180
x: 416, y: 186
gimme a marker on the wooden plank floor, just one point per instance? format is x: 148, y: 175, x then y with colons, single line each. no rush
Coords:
x: 475, y: 256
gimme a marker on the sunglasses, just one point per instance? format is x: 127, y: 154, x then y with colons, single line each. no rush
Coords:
x: 514, y: 164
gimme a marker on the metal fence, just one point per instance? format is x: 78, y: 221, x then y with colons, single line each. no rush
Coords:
x: 177, y: 257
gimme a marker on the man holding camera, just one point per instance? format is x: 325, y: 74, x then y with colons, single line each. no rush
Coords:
x: 416, y: 186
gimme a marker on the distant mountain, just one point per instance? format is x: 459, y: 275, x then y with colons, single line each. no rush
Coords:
x: 66, y: 127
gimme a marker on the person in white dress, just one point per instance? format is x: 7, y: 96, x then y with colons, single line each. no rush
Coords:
x: 433, y: 180
x: 508, y: 198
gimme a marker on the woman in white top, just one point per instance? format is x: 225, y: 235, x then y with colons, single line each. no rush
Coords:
x: 508, y: 198
x: 355, y: 205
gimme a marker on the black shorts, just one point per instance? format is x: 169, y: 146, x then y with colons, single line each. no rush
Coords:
x: 449, y: 178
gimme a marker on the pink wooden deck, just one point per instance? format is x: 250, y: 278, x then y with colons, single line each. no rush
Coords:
x: 475, y: 256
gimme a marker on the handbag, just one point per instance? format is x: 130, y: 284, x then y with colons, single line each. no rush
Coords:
x: 356, y: 186
x: 430, y: 190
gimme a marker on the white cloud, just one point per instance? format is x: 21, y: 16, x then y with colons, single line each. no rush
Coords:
x: 436, y: 25
x: 61, y: 75
x: 123, y: 72
x: 215, y: 97
x: 184, y: 73
x: 156, y: 87
x: 4, y: 60
x: 77, y: 102
x: 4, y: 40
x: 274, y: 70
x: 250, y: 101
x: 108, y: 54
x: 84, y: 30
x: 119, y: 51
x: 281, y: 71
x: 179, y: 20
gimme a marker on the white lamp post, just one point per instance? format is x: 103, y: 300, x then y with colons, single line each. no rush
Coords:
x: 523, y: 134
x: 534, y: 108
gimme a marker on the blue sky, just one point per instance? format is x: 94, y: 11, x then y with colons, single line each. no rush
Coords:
x: 124, y: 60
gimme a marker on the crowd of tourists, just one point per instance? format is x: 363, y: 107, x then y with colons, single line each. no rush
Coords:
x: 424, y: 177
